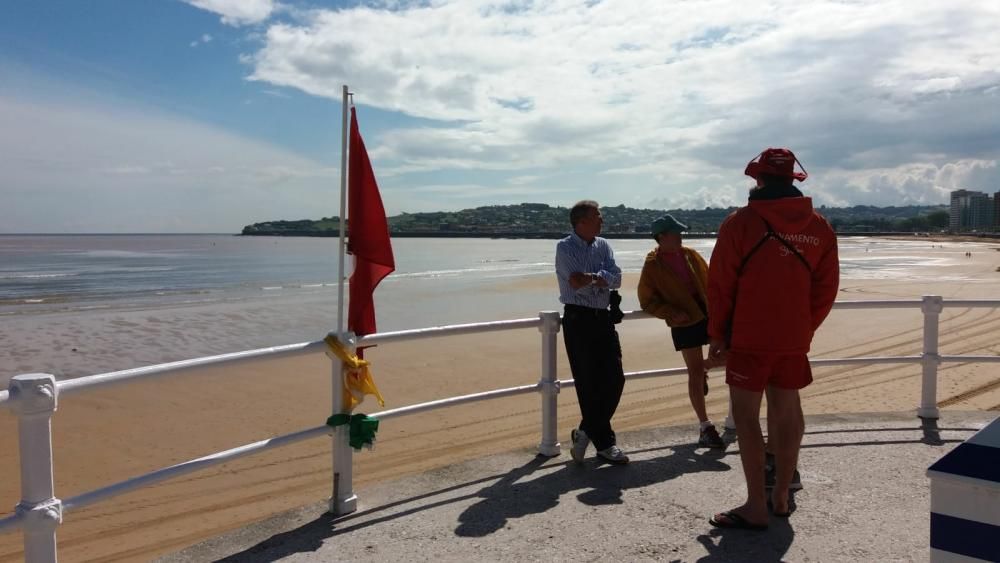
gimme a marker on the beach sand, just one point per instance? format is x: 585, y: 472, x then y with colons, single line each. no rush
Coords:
x: 112, y: 434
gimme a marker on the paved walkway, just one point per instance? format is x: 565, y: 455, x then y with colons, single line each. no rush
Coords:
x: 866, y: 498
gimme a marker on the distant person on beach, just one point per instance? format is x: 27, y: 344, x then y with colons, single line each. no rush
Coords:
x: 772, y: 281
x: 673, y: 287
x: 587, y: 272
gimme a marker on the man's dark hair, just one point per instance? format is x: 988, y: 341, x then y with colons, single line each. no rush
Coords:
x: 580, y: 210
x: 774, y: 180
x: 777, y: 189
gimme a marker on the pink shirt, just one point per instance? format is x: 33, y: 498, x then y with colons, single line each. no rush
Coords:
x: 678, y: 265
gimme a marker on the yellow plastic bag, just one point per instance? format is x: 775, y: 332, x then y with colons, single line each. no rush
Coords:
x: 358, y: 380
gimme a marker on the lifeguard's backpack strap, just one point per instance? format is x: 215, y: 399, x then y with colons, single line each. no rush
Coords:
x: 756, y: 247
x: 791, y: 248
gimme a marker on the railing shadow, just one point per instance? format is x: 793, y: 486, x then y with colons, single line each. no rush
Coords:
x: 928, y: 426
x: 310, y: 536
x: 932, y: 434
x: 517, y: 494
x: 506, y: 497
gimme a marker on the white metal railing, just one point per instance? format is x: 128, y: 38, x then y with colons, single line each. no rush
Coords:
x: 34, y: 397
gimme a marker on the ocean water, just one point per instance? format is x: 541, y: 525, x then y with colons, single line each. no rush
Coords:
x: 48, y: 274
x: 75, y: 305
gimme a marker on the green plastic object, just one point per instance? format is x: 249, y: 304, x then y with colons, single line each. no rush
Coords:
x: 362, y: 428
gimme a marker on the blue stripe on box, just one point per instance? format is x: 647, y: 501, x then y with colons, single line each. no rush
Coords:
x: 965, y: 537
x: 971, y: 460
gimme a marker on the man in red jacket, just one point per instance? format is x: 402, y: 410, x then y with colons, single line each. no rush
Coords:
x: 772, y: 281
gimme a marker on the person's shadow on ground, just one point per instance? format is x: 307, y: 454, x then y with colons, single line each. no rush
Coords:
x: 749, y: 545
x: 599, y: 483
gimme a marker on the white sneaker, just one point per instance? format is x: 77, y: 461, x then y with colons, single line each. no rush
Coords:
x: 580, y: 443
x: 613, y: 454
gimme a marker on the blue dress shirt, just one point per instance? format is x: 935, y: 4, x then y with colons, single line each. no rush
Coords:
x: 573, y: 254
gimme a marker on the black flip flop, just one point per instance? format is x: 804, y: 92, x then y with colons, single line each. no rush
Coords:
x: 732, y: 520
x: 791, y: 509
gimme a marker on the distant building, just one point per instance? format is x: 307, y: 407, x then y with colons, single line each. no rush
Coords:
x: 996, y: 212
x: 971, y: 211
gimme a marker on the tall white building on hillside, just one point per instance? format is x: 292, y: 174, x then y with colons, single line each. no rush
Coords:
x: 971, y: 211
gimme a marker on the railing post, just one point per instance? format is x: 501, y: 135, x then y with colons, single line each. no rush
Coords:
x: 34, y: 397
x: 343, y: 501
x: 549, y: 384
x: 931, y: 307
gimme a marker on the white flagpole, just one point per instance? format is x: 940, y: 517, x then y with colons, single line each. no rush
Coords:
x: 343, y: 500
x: 343, y: 212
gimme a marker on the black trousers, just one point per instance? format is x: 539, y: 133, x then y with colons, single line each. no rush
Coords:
x: 595, y: 358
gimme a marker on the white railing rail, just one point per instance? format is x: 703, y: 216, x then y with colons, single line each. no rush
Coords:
x: 33, y: 398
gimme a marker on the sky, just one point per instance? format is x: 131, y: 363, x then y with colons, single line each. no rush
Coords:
x: 171, y: 116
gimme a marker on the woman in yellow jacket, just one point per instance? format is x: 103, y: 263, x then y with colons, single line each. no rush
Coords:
x: 672, y: 287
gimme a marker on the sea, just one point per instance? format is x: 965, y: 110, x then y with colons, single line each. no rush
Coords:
x: 76, y: 305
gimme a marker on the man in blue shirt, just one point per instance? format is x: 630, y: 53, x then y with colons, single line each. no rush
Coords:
x: 586, y: 269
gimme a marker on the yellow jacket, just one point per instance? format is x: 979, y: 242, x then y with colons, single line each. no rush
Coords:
x: 661, y: 292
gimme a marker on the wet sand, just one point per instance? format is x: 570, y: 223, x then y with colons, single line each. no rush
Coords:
x: 112, y: 434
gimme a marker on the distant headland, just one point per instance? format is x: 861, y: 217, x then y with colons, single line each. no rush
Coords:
x: 539, y: 220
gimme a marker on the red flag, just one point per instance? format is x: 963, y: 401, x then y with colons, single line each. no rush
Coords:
x: 369, y: 236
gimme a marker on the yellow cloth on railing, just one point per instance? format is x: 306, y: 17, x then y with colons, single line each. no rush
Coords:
x: 358, y: 380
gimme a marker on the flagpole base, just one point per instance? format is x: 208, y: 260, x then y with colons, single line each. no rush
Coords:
x: 343, y: 506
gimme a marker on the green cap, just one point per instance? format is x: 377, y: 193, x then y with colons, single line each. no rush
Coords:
x: 667, y: 224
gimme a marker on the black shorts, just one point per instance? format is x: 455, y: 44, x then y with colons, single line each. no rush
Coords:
x: 692, y: 336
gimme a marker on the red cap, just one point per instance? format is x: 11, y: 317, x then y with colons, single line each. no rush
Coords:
x: 776, y: 162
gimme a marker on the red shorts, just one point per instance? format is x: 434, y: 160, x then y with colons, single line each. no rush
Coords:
x: 754, y: 372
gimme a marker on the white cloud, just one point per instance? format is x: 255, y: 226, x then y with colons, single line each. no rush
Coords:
x: 205, y: 38
x: 524, y: 180
x: 70, y: 167
x: 909, y: 184
x: 664, y: 97
x: 704, y: 196
x: 237, y: 12
x: 641, y: 102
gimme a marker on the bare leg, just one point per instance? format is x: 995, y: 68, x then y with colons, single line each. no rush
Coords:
x: 695, y: 363
x: 746, y: 413
x: 769, y: 442
x: 788, y: 429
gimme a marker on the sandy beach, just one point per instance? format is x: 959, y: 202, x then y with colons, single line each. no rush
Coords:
x: 112, y: 434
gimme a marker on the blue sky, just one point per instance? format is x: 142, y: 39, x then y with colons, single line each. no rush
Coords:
x: 206, y: 115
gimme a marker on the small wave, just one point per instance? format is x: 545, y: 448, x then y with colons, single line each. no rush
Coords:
x: 527, y: 268
x: 272, y: 288
x: 35, y: 275
x: 127, y: 254
x: 48, y: 300
x: 86, y: 271
x: 144, y: 269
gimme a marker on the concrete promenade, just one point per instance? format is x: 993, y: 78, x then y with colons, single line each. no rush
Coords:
x: 865, y: 498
